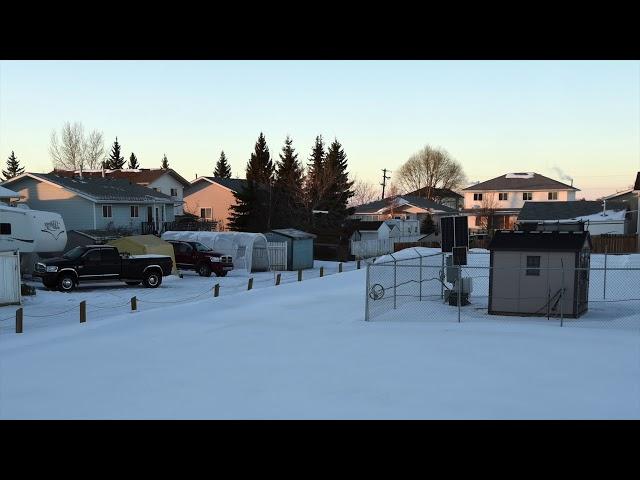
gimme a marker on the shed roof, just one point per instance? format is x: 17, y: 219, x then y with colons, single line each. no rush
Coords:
x: 564, y: 210
x: 294, y: 233
x: 539, y: 241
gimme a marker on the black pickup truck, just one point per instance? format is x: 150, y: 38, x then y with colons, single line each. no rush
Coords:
x: 102, y: 263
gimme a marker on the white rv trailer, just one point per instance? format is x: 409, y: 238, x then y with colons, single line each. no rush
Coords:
x: 31, y: 231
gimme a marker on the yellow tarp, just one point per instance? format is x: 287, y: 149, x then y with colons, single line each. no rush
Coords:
x: 145, y: 245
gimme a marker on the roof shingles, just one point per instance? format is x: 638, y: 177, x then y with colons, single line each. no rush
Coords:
x: 536, y: 182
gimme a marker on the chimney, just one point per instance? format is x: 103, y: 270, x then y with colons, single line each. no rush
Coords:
x: 103, y: 171
x: 196, y: 175
x: 80, y: 170
x: 572, y: 182
x: 604, y: 208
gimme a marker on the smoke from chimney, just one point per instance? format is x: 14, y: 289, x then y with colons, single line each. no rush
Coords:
x: 562, y: 175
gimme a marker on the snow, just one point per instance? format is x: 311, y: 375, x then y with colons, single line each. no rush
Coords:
x: 302, y: 350
x: 617, y: 215
x: 520, y: 175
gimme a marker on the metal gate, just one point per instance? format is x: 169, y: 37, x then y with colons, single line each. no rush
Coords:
x: 9, y: 278
x: 277, y: 255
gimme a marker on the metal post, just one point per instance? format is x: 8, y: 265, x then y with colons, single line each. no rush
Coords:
x: 19, y: 320
x: 366, y: 294
x: 250, y: 284
x: 340, y: 267
x: 420, y: 277
x: 548, y: 290
x: 604, y: 293
x: 83, y: 311
x: 562, y: 294
x: 216, y: 290
x: 442, y: 275
x: 358, y: 264
x: 299, y: 275
x: 395, y: 282
x: 278, y: 279
x: 459, y: 288
x: 321, y: 271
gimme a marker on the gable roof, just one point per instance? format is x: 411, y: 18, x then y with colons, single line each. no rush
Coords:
x: 102, y: 189
x: 143, y: 176
x: 233, y: 184
x: 564, y: 210
x: 637, y: 184
x: 435, y: 192
x: 375, y: 207
x: 520, y: 181
x: 539, y: 241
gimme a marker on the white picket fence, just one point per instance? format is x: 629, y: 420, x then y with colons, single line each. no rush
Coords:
x: 374, y: 248
x: 277, y: 252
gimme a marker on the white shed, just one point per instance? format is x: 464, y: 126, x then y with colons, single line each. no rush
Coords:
x: 248, y: 250
x: 10, y: 278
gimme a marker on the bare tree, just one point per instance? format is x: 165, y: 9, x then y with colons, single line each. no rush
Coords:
x: 69, y: 152
x: 391, y: 200
x: 486, y: 214
x: 430, y: 168
x: 364, y: 192
x: 94, y: 150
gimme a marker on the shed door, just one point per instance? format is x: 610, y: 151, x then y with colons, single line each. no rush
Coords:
x: 9, y: 279
x: 505, y: 284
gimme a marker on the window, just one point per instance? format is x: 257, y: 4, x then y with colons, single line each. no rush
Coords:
x: 134, y: 211
x: 205, y: 213
x: 156, y: 189
x: 106, y: 211
x: 503, y: 196
x: 527, y: 196
x: 477, y: 197
x: 110, y: 255
x: 93, y: 256
x: 533, y: 266
x: 184, y: 249
x: 174, y: 192
x: 553, y: 196
x: 5, y: 229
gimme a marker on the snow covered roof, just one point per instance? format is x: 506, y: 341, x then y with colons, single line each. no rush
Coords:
x: 6, y: 193
x: 294, y: 233
x: 381, y: 206
x: 573, y: 210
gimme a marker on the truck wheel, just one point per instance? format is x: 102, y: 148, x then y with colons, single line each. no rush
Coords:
x: 133, y: 284
x: 66, y: 283
x: 152, y: 279
x: 204, y: 270
x: 221, y: 274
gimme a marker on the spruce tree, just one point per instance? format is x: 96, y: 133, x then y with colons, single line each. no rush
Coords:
x: 288, y: 191
x: 223, y: 169
x: 315, y: 174
x: 260, y: 167
x: 115, y: 160
x: 165, y: 162
x: 13, y: 167
x: 133, y: 162
x: 248, y: 213
x: 338, y: 188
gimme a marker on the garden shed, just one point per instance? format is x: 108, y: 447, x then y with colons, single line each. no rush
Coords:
x: 248, y: 250
x: 145, y: 245
x: 299, y: 246
x: 539, y: 273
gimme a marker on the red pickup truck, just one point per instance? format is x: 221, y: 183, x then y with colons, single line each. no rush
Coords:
x: 199, y: 257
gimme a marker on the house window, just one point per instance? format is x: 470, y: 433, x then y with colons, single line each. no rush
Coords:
x: 134, y: 211
x: 174, y: 192
x: 553, y: 195
x: 533, y: 266
x: 477, y: 197
x: 5, y: 229
x: 503, y: 196
x: 156, y: 189
x: 205, y: 213
x: 106, y: 211
x: 527, y: 196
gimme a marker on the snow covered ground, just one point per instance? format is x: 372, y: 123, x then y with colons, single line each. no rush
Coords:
x: 302, y: 350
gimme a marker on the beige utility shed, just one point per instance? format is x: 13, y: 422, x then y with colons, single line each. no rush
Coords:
x: 539, y: 273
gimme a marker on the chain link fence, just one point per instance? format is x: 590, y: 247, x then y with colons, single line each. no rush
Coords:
x: 424, y: 288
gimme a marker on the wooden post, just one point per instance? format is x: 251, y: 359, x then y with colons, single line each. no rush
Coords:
x: 216, y: 290
x: 340, y: 267
x: 250, y: 284
x: 358, y: 264
x: 83, y: 311
x: 19, y: 320
x: 278, y: 279
x: 299, y: 275
x: 134, y: 304
x: 321, y: 271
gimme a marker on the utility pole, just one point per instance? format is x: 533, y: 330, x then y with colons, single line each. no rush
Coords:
x: 384, y: 180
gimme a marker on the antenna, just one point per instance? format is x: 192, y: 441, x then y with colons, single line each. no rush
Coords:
x: 384, y: 180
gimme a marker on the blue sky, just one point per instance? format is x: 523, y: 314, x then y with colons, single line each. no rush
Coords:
x: 493, y: 116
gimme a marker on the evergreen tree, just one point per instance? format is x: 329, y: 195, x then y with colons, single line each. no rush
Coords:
x: 288, y: 192
x: 315, y: 180
x: 427, y: 226
x: 248, y: 213
x: 223, y: 169
x: 260, y: 167
x: 338, y: 191
x: 13, y: 167
x: 165, y: 162
x: 133, y: 162
x: 115, y: 160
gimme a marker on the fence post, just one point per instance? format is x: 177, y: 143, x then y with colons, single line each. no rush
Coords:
x: 358, y: 264
x: 19, y: 320
x: 134, y: 304
x: 321, y: 271
x: 83, y: 311
x: 250, y: 284
x: 216, y: 290
x: 562, y: 294
x: 420, y: 277
x: 459, y: 288
x: 442, y: 273
x: 395, y: 282
x: 278, y: 279
x: 299, y: 275
x: 366, y: 293
x: 340, y: 267
x: 604, y: 293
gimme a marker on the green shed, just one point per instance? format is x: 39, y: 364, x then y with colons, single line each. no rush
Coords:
x: 299, y: 246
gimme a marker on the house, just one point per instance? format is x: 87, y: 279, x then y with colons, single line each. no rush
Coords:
x: 94, y: 203
x: 211, y: 198
x: 443, y: 196
x: 496, y: 203
x: 375, y: 230
x: 299, y: 246
x: 166, y: 181
x: 402, y: 207
x: 8, y: 197
x: 539, y: 273
x: 631, y: 198
x: 599, y: 217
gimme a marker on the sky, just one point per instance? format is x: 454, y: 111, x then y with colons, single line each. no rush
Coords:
x: 494, y: 117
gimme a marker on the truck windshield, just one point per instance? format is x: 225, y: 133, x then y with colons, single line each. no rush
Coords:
x: 74, y: 253
x: 202, y: 248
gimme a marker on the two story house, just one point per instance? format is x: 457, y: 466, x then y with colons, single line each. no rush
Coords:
x: 496, y: 203
x: 166, y: 181
x: 211, y: 198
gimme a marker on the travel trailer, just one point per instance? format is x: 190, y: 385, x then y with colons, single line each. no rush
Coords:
x: 31, y: 231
